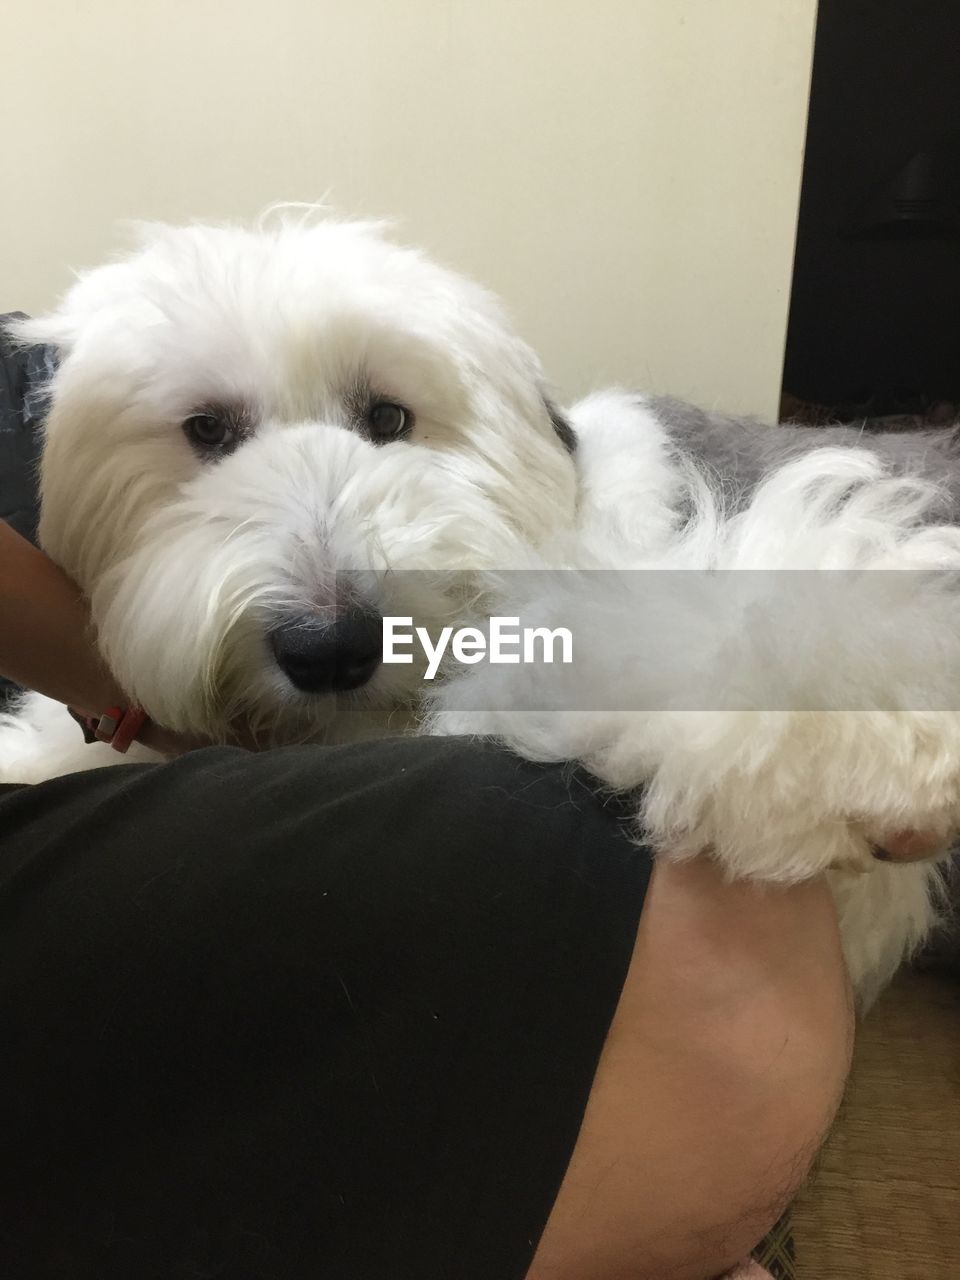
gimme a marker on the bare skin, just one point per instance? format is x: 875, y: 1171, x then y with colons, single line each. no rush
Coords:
x: 914, y: 846
x: 721, y: 1074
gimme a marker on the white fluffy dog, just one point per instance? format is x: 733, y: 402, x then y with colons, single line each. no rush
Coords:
x: 252, y: 433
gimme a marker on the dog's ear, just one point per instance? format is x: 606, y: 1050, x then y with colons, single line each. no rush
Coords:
x: 59, y: 328
x: 56, y: 330
x: 94, y: 293
x: 561, y: 425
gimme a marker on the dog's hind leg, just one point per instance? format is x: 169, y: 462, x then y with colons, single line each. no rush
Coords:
x: 885, y: 916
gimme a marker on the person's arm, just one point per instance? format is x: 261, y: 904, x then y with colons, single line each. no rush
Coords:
x: 47, y: 642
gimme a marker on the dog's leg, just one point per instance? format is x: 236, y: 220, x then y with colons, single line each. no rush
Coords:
x: 885, y: 917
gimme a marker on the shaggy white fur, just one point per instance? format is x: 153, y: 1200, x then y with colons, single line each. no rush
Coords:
x: 196, y: 542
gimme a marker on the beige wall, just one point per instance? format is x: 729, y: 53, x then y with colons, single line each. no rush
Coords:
x: 624, y: 172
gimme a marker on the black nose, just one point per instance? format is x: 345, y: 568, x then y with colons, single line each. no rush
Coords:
x: 323, y: 657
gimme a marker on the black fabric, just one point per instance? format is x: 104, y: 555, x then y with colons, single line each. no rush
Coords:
x: 24, y: 373
x: 328, y: 1013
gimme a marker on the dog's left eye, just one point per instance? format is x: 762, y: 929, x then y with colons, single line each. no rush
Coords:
x: 209, y: 433
x: 388, y: 421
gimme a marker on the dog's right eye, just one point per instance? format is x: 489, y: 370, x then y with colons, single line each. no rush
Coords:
x: 209, y: 433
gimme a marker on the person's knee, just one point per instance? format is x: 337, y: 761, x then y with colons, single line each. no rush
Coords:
x: 720, y: 1077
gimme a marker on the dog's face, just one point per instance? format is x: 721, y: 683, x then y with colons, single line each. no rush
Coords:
x: 252, y: 433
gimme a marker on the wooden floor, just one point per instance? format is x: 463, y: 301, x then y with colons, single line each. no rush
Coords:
x: 884, y: 1203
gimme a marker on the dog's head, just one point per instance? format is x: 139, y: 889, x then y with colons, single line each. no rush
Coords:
x: 252, y: 432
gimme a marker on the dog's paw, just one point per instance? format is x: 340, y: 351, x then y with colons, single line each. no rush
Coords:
x: 787, y: 796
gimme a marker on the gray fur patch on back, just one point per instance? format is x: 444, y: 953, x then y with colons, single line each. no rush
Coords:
x: 741, y: 451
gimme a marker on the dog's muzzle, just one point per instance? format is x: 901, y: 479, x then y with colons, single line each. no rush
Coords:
x: 329, y: 657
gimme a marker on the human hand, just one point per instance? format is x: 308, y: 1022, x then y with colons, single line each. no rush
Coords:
x: 913, y: 846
